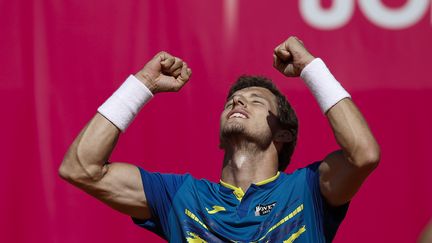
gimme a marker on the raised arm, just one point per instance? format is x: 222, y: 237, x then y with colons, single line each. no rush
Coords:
x: 343, y: 171
x: 86, y: 166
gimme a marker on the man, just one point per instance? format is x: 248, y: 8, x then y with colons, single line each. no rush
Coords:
x: 254, y: 201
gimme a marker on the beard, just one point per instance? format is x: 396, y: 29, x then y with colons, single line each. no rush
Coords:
x: 232, y: 129
x: 236, y: 133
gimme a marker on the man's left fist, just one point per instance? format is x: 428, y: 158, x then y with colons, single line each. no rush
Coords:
x: 291, y: 57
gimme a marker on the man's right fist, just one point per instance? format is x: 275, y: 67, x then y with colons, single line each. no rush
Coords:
x: 164, y: 73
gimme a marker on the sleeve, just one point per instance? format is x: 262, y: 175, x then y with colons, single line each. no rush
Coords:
x: 331, y: 216
x: 160, y: 190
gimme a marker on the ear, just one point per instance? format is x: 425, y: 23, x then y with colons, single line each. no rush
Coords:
x: 283, y: 136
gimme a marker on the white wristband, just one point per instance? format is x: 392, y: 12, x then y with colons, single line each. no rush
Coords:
x: 323, y: 85
x: 122, y: 107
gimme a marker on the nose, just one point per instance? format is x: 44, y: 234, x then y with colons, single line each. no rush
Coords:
x: 238, y: 100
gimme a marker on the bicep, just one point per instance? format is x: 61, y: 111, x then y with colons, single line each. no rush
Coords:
x: 339, y: 179
x: 121, y: 188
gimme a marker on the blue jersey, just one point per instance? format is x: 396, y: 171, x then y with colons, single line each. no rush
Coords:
x: 284, y: 208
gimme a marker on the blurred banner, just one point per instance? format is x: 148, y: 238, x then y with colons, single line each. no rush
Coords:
x: 59, y: 60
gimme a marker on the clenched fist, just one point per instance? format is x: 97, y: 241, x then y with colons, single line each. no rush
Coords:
x: 164, y: 73
x: 291, y: 57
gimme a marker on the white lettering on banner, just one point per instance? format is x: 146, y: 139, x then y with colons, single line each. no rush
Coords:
x: 375, y: 11
x: 335, y: 17
x: 399, y: 18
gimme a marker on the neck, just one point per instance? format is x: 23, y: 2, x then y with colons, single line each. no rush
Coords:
x: 247, y: 164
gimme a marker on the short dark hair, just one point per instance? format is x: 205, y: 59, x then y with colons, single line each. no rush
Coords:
x: 287, y: 117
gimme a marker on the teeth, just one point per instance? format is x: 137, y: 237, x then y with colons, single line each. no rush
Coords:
x: 238, y: 115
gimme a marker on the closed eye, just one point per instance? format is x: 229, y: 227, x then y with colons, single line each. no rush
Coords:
x: 257, y: 102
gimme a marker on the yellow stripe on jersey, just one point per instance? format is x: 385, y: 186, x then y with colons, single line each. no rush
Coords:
x: 194, y: 238
x: 239, y: 193
x: 295, y: 235
x: 192, y: 216
x: 286, y: 218
x: 268, y: 180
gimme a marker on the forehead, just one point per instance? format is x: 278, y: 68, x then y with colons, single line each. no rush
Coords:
x: 256, y: 91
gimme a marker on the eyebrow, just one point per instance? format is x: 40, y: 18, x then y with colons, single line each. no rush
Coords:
x: 258, y: 96
x: 251, y: 95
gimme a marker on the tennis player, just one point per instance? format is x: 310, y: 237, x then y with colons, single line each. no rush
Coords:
x: 255, y: 201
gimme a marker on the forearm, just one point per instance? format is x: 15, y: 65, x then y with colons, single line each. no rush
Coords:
x: 353, y: 134
x: 350, y: 128
x: 340, y: 173
x: 91, y: 149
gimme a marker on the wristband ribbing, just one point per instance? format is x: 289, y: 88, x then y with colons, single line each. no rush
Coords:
x: 323, y: 85
x: 125, y: 103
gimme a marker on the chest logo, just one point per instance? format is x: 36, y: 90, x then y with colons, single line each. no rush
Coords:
x: 264, y: 209
x: 215, y: 209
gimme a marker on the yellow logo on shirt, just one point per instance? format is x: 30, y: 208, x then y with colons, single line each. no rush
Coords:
x: 215, y: 209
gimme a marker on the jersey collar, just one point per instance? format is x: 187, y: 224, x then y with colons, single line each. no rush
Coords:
x: 239, y: 193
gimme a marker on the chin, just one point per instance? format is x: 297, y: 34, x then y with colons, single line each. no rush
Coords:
x: 234, y: 131
x: 229, y: 131
x: 233, y: 128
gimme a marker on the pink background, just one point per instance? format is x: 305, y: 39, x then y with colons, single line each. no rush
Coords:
x: 59, y: 60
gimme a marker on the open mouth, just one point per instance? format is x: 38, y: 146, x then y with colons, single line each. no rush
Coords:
x: 237, y: 115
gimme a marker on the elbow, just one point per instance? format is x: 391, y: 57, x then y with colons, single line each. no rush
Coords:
x: 74, y: 171
x: 67, y: 171
x: 62, y: 172
x: 372, y: 158
x: 368, y: 157
x: 80, y: 165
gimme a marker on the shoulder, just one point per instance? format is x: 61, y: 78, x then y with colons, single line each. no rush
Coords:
x: 306, y: 177
x: 307, y: 171
x: 163, y: 180
x: 204, y: 185
x: 175, y: 180
x: 162, y: 174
